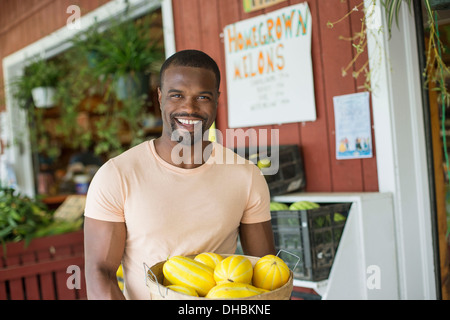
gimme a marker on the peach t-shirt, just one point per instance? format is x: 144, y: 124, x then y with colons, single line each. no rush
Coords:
x: 172, y: 211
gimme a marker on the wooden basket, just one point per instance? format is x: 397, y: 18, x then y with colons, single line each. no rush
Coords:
x: 155, y: 280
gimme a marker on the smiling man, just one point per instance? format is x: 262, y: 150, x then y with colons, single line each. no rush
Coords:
x: 146, y: 205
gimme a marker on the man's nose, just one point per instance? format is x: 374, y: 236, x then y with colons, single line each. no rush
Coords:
x: 191, y: 105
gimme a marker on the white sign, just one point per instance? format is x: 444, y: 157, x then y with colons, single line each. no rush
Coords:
x: 269, y: 68
x: 352, y: 125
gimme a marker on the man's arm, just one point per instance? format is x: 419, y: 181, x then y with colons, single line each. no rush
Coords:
x: 104, y: 243
x: 257, y: 239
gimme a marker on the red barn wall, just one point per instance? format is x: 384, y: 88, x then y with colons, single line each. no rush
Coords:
x: 199, y: 24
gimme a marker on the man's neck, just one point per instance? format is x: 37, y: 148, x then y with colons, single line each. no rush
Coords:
x: 182, y: 156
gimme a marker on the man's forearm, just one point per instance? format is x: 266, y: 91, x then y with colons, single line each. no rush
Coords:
x: 102, y: 285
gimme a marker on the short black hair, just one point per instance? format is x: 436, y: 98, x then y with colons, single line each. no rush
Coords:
x: 191, y: 58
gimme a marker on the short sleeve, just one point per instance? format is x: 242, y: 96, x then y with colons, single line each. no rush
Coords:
x: 105, y: 197
x: 258, y: 204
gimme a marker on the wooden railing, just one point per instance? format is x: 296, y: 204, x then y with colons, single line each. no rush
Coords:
x: 41, y: 270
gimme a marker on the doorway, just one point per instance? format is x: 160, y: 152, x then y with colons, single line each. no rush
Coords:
x: 437, y: 131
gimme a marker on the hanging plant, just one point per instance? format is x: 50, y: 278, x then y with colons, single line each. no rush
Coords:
x: 36, y: 87
x: 129, y: 53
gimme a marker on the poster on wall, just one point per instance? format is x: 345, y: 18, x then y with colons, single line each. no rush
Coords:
x: 269, y: 68
x: 352, y: 126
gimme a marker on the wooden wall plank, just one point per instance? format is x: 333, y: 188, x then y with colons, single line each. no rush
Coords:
x: 228, y: 13
x: 314, y: 138
x: 47, y: 279
x: 31, y: 282
x: 15, y: 286
x: 369, y: 166
x: 3, y: 289
x: 61, y: 276
x: 187, y: 24
x: 346, y: 174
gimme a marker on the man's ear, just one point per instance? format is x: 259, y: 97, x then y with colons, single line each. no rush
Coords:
x: 218, y: 96
x: 159, y: 97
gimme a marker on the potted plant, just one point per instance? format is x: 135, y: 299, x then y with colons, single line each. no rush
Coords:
x: 43, y: 76
x: 37, y: 85
x: 129, y: 53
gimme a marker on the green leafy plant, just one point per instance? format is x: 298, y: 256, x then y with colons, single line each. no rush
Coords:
x: 39, y: 73
x: 129, y: 46
x: 23, y: 219
x: 392, y: 10
x: 20, y: 216
x: 91, y: 67
x: 43, y: 73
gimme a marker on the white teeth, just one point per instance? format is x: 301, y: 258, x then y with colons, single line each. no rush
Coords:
x: 184, y: 121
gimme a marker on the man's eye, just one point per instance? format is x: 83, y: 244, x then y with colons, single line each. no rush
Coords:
x: 176, y: 95
x: 203, y: 98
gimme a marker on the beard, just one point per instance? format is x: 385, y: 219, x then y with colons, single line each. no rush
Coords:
x: 184, y: 136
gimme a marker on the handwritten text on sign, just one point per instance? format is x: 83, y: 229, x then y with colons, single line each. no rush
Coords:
x: 269, y: 68
x: 253, y: 5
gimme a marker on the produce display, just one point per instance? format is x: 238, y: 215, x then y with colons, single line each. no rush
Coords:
x: 232, y: 277
x: 25, y: 218
x: 303, y: 205
x: 278, y: 206
x: 319, y: 221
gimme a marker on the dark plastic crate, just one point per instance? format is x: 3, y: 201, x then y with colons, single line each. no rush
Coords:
x: 290, y: 175
x: 313, y: 235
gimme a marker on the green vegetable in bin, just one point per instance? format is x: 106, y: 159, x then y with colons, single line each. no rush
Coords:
x: 278, y: 206
x: 339, y: 217
x: 303, y: 205
x: 323, y: 221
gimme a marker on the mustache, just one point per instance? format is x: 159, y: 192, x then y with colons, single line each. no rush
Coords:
x: 186, y: 114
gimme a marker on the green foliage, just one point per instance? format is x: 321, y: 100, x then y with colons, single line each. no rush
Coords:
x: 128, y: 47
x: 90, y: 69
x: 43, y: 73
x: 392, y: 10
x: 20, y: 216
x: 40, y: 73
x: 24, y: 218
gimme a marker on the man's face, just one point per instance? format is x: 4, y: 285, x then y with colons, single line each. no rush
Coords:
x: 188, y: 100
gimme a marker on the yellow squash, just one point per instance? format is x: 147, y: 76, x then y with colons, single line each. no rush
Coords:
x: 233, y: 290
x: 270, y: 272
x: 235, y: 268
x: 186, y: 271
x: 183, y: 289
x: 209, y: 258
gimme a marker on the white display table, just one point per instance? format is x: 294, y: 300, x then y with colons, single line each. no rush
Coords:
x: 365, y: 265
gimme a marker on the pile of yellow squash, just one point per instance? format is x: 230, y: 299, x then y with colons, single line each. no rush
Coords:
x: 214, y: 276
